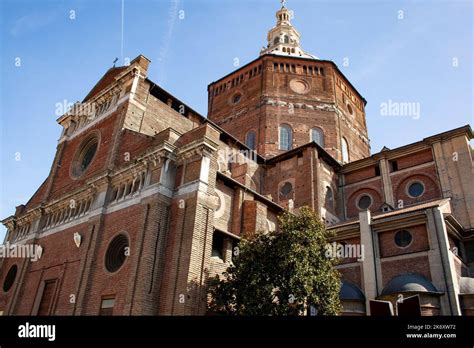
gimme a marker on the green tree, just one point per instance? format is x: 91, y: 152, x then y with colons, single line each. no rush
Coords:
x: 280, y: 273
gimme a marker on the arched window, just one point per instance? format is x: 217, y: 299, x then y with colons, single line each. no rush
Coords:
x: 345, y: 151
x: 276, y: 41
x: 329, y: 199
x: 251, y: 139
x: 286, y: 137
x: 287, y: 39
x: 317, y: 136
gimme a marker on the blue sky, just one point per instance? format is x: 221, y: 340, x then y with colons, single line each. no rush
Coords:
x: 399, y: 51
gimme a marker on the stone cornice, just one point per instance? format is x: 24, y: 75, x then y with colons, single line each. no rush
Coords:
x: 9, y: 222
x: 408, y: 149
x: 203, y: 146
x: 88, y: 190
x: 400, y: 221
x: 319, y: 106
x: 109, y: 92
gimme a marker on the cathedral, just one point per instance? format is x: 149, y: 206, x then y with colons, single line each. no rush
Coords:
x: 146, y: 198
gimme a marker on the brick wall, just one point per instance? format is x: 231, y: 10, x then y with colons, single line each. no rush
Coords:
x: 101, y: 282
x: 60, y: 260
x: 355, y: 241
x: 353, y: 193
x: 352, y: 274
x: 154, y: 115
x: 415, y: 159
x: 131, y: 145
x: 268, y: 100
x: 63, y: 182
x: 419, y: 241
x: 295, y: 170
x: 417, y: 264
x: 426, y: 175
x: 360, y: 175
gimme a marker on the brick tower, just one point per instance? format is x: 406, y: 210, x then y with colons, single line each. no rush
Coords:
x: 286, y: 98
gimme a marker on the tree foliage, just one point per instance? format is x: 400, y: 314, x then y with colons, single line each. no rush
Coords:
x: 280, y: 273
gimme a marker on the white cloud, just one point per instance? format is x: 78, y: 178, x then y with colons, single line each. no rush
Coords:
x: 31, y: 22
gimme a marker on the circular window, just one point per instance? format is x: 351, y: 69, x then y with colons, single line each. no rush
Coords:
x: 349, y: 108
x: 299, y: 86
x: 116, y: 253
x: 416, y: 189
x: 85, y: 155
x: 220, y: 205
x: 286, y: 189
x: 236, y: 98
x: 10, y: 278
x: 364, y: 202
x: 403, y: 238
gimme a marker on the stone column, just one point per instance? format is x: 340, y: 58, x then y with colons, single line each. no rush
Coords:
x: 387, y: 183
x: 369, y: 279
x: 442, y: 266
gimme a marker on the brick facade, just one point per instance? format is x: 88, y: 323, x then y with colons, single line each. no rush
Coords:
x: 268, y: 94
x: 184, y: 189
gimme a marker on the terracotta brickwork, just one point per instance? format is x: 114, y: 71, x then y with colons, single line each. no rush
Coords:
x: 289, y: 91
x: 426, y: 176
x: 418, y: 265
x: 176, y: 185
x: 419, y: 242
x: 352, y: 274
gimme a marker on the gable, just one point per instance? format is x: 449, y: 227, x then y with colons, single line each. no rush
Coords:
x: 38, y: 196
x: 107, y: 79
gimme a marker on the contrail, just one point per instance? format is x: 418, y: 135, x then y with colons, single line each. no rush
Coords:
x: 172, y: 14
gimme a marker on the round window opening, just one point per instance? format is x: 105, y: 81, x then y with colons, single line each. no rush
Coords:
x: 349, y: 108
x: 416, y: 189
x: 286, y: 189
x: 116, y: 253
x: 85, y: 156
x: 10, y: 278
x: 236, y: 98
x: 220, y: 204
x: 364, y: 202
x: 299, y: 86
x: 403, y: 238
